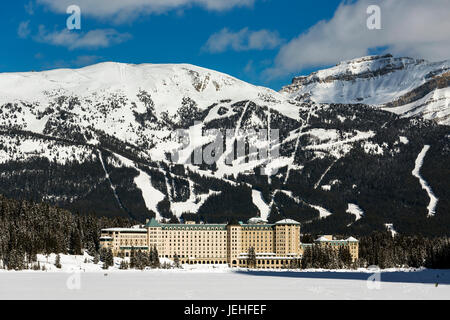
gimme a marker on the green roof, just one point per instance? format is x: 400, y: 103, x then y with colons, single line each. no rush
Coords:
x: 258, y: 226
x: 194, y: 226
x: 221, y: 226
x: 153, y: 223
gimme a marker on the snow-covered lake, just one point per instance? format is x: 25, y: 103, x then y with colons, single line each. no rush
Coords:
x: 224, y: 284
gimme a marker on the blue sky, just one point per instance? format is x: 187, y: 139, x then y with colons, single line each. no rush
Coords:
x: 265, y: 42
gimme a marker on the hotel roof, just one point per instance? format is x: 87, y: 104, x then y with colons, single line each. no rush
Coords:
x: 153, y: 223
x: 287, y: 221
x: 137, y: 230
x: 324, y: 239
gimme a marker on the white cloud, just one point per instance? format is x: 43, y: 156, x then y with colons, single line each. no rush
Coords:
x: 242, y: 40
x: 85, y: 60
x: 23, y: 31
x: 249, y: 67
x: 414, y: 28
x: 94, y: 39
x: 124, y: 10
x: 29, y: 8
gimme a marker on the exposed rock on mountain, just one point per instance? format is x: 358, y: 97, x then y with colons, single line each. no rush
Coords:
x: 408, y: 87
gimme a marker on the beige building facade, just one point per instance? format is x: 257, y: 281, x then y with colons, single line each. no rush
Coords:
x: 275, y: 245
x: 328, y: 241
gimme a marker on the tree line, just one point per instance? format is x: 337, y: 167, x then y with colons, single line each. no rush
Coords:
x: 383, y: 250
x: 28, y: 229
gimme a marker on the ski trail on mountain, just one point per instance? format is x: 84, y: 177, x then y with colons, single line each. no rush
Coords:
x: 229, y: 143
x: 269, y: 137
x: 143, y: 181
x: 169, y: 193
x: 151, y: 195
x: 323, y: 213
x: 113, y: 188
x: 355, y: 210
x: 239, y: 124
x: 297, y: 143
x: 390, y: 228
x: 259, y: 202
x: 416, y: 173
x: 324, y: 174
x: 326, y: 146
x: 193, y: 204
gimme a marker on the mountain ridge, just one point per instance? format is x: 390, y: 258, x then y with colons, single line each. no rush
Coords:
x: 398, y: 85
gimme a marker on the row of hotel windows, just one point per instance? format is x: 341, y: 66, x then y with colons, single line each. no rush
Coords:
x: 205, y: 236
x: 184, y: 256
x: 271, y: 261
x: 192, y: 229
x: 132, y: 236
x: 182, y: 235
x: 207, y: 262
x: 264, y: 243
x: 187, y: 236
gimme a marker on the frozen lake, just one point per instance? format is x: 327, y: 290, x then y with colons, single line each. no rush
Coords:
x: 224, y: 284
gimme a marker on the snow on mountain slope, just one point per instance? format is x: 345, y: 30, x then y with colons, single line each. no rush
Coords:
x: 166, y: 83
x: 390, y: 228
x: 355, y: 210
x: 55, y: 125
x: 151, y: 195
x: 139, y: 104
x: 24, y: 148
x: 420, y: 87
x: 416, y: 173
x: 263, y: 207
x: 113, y: 188
x: 435, y: 105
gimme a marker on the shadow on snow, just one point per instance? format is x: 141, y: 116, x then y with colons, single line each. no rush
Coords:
x: 425, y: 276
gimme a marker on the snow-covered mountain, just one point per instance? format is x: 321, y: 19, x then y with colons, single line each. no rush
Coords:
x: 124, y: 88
x: 408, y: 87
x: 101, y: 139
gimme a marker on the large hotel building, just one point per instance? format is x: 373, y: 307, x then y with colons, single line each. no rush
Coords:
x: 275, y: 245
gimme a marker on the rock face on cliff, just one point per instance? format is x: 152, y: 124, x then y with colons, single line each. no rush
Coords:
x: 408, y: 87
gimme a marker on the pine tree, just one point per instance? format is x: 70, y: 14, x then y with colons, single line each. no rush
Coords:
x: 174, y: 220
x: 58, y: 261
x: 176, y: 261
x: 75, y: 243
x: 345, y: 257
x: 109, y: 258
x: 306, y: 261
x: 123, y: 265
x: 102, y: 254
x: 155, y: 261
x: 141, y: 260
x: 36, y: 266
x: 295, y: 263
x: 151, y: 257
x: 251, y: 261
x: 133, y: 261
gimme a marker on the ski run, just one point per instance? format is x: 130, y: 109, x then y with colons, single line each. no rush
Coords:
x: 416, y: 173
